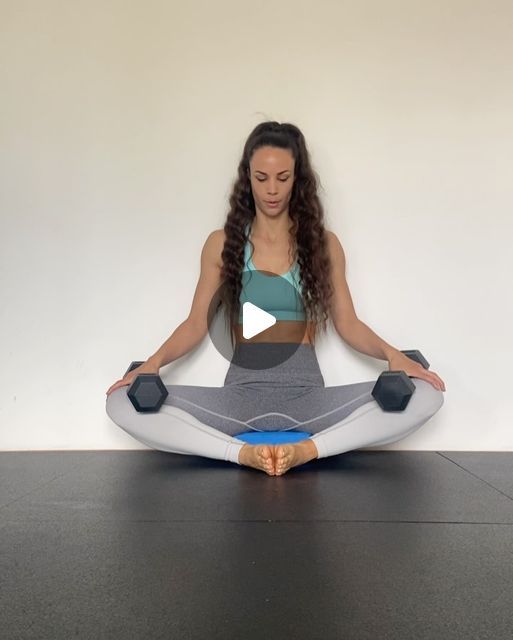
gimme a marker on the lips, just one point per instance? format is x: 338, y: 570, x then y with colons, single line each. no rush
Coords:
x: 274, y: 202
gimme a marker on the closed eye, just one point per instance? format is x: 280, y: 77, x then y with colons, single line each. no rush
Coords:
x: 280, y: 179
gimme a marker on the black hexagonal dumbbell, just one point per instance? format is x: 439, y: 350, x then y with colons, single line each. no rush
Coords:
x: 147, y: 392
x: 394, y: 389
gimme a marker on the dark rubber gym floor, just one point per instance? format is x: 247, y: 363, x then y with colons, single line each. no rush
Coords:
x: 366, y: 544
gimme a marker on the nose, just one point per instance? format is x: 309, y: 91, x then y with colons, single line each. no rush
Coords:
x: 272, y: 190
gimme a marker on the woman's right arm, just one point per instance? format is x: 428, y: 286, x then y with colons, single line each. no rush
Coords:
x: 192, y: 330
x: 183, y: 339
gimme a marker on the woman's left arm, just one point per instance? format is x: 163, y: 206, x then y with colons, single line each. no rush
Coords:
x: 355, y: 332
x: 359, y: 336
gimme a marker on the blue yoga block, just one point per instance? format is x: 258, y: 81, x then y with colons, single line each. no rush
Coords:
x: 272, y: 437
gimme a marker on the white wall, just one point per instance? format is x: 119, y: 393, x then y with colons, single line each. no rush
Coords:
x: 122, y: 125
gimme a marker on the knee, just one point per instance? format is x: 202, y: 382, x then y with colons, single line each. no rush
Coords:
x: 426, y: 400
x: 117, y: 405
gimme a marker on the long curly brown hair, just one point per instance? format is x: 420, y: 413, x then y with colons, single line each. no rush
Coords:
x: 307, y: 232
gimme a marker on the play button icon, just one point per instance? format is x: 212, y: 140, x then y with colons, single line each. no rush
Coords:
x: 255, y: 320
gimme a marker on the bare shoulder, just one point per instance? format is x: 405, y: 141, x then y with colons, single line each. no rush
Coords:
x: 220, y: 234
x: 215, y: 243
x: 334, y: 247
x: 342, y: 309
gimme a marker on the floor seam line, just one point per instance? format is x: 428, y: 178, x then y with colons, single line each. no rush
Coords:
x: 475, y: 476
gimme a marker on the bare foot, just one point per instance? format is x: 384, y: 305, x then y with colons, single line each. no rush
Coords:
x: 258, y: 456
x: 291, y: 455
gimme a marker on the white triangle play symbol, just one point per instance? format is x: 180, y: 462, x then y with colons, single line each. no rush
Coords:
x: 255, y: 320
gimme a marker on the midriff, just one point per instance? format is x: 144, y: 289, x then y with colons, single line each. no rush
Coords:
x: 281, y: 331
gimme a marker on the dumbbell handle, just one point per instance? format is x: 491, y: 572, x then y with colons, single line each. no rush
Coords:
x: 134, y: 365
x: 415, y: 354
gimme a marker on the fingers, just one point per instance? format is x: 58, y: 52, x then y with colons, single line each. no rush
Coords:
x: 435, y: 380
x: 113, y: 388
x: 116, y: 385
x: 441, y: 382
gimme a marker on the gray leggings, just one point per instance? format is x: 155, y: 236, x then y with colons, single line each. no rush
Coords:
x: 290, y: 396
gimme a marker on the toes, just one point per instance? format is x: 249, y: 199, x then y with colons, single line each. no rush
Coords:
x: 281, y: 452
x: 282, y: 458
x: 265, y: 453
x: 266, y: 458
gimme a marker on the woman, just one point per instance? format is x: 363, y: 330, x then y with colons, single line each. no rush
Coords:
x: 275, y: 225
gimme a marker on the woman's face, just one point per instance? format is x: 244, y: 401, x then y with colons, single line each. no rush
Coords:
x: 272, y: 176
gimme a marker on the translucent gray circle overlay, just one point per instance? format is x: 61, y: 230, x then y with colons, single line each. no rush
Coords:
x: 265, y: 286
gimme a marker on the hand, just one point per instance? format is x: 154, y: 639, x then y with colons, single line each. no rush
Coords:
x: 147, y: 367
x: 400, y: 362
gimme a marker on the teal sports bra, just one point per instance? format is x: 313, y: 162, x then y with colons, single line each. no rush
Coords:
x: 279, y: 295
